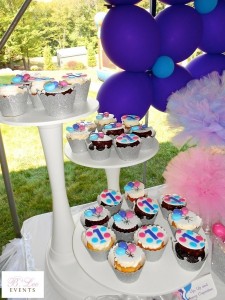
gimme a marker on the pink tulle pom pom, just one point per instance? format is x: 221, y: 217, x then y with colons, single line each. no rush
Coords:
x: 199, y: 111
x: 198, y: 174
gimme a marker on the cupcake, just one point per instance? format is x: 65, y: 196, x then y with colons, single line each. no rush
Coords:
x: 77, y: 136
x: 184, y: 219
x: 133, y: 191
x: 153, y: 240
x: 190, y: 249
x: 13, y: 100
x: 124, y: 224
x: 113, y: 129
x: 58, y: 98
x: 146, y: 209
x: 36, y: 86
x: 111, y: 200
x: 103, y: 119
x: 146, y: 133
x: 128, y: 146
x: 127, y: 261
x: 91, y: 126
x: 100, y: 146
x: 170, y: 202
x: 129, y: 121
x: 98, y: 240
x: 95, y: 215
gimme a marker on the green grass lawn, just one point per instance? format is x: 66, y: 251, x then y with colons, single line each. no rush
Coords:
x: 30, y: 180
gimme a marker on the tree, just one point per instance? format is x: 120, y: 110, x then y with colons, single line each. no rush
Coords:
x: 48, y: 64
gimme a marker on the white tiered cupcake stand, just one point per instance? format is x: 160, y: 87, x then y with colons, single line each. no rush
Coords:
x: 71, y: 274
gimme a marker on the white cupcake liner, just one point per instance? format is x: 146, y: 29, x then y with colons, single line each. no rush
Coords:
x: 12, y: 106
x: 78, y: 146
x: 187, y: 265
x: 112, y: 209
x: 58, y: 105
x: 99, y: 155
x: 128, y: 153
x: 82, y: 90
x: 146, y: 143
x: 36, y: 101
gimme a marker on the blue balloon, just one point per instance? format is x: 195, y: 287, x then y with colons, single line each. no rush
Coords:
x: 163, y: 67
x: 205, y: 64
x: 122, y: 213
x: 17, y: 79
x: 205, y: 6
x: 164, y: 87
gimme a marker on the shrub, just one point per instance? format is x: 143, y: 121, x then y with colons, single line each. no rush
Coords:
x: 34, y: 68
x: 91, y: 57
x: 48, y: 64
x: 74, y: 65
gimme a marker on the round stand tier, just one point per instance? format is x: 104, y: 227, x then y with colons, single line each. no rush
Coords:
x: 34, y: 117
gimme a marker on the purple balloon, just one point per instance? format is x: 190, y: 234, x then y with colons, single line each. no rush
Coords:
x: 164, y: 87
x: 213, y: 40
x: 171, y: 2
x: 126, y: 93
x: 122, y: 2
x: 205, y: 64
x: 180, y: 31
x: 130, y: 38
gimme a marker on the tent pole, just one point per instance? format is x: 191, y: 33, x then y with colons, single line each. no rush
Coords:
x: 4, y: 165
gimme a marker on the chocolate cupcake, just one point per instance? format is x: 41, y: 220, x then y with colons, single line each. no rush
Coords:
x: 146, y: 209
x: 171, y: 202
x: 100, y: 146
x: 95, y: 215
x: 190, y: 249
x: 146, y: 133
x: 127, y: 146
x: 125, y: 223
x: 113, y: 129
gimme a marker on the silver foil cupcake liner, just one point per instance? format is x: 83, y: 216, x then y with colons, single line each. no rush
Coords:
x: 99, y: 155
x: 36, y: 101
x: 146, y: 143
x: 187, y: 265
x: 77, y: 146
x: 130, y: 203
x: 145, y: 221
x: 121, y: 236
x: 12, y: 106
x: 128, y: 153
x: 112, y: 209
x: 58, y: 105
x: 82, y: 90
x: 154, y: 255
x: 165, y: 212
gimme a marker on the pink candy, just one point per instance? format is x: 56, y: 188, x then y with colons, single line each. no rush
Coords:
x: 99, y: 209
x: 184, y: 210
x: 219, y: 230
x: 63, y: 83
x: 137, y: 184
x: 131, y: 248
x: 129, y: 214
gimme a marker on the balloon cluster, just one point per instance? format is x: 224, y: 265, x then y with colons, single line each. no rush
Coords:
x: 149, y: 49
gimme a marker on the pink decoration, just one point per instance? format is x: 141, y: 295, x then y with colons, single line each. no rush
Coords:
x: 118, y: 197
x: 137, y: 184
x: 199, y: 238
x: 160, y: 235
x: 101, y: 135
x: 103, y: 195
x: 219, y: 230
x: 107, y: 235
x: 184, y: 210
x: 106, y: 114
x: 142, y: 234
x: 182, y: 239
x: 26, y: 77
x: 82, y: 127
x: 89, y: 233
x: 99, y: 209
x: 199, y: 175
x: 140, y: 203
x: 131, y: 248
x: 129, y: 214
x: 149, y: 200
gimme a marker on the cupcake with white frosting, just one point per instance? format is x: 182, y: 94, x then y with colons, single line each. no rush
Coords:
x: 127, y: 260
x: 98, y: 240
x: 100, y: 146
x: 111, y: 200
x: 146, y: 209
x: 103, y: 119
x: 128, y: 146
x: 146, y: 133
x: 133, y: 190
x: 95, y: 215
x: 169, y: 202
x: 13, y: 100
x: 113, y: 129
x: 153, y: 240
x: 77, y: 136
x: 129, y: 121
x: 184, y: 219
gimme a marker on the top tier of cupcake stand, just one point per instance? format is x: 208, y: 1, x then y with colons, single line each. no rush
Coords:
x: 67, y: 277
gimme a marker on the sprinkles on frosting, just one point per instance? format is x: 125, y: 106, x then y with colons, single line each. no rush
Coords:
x: 174, y: 199
x: 189, y: 239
